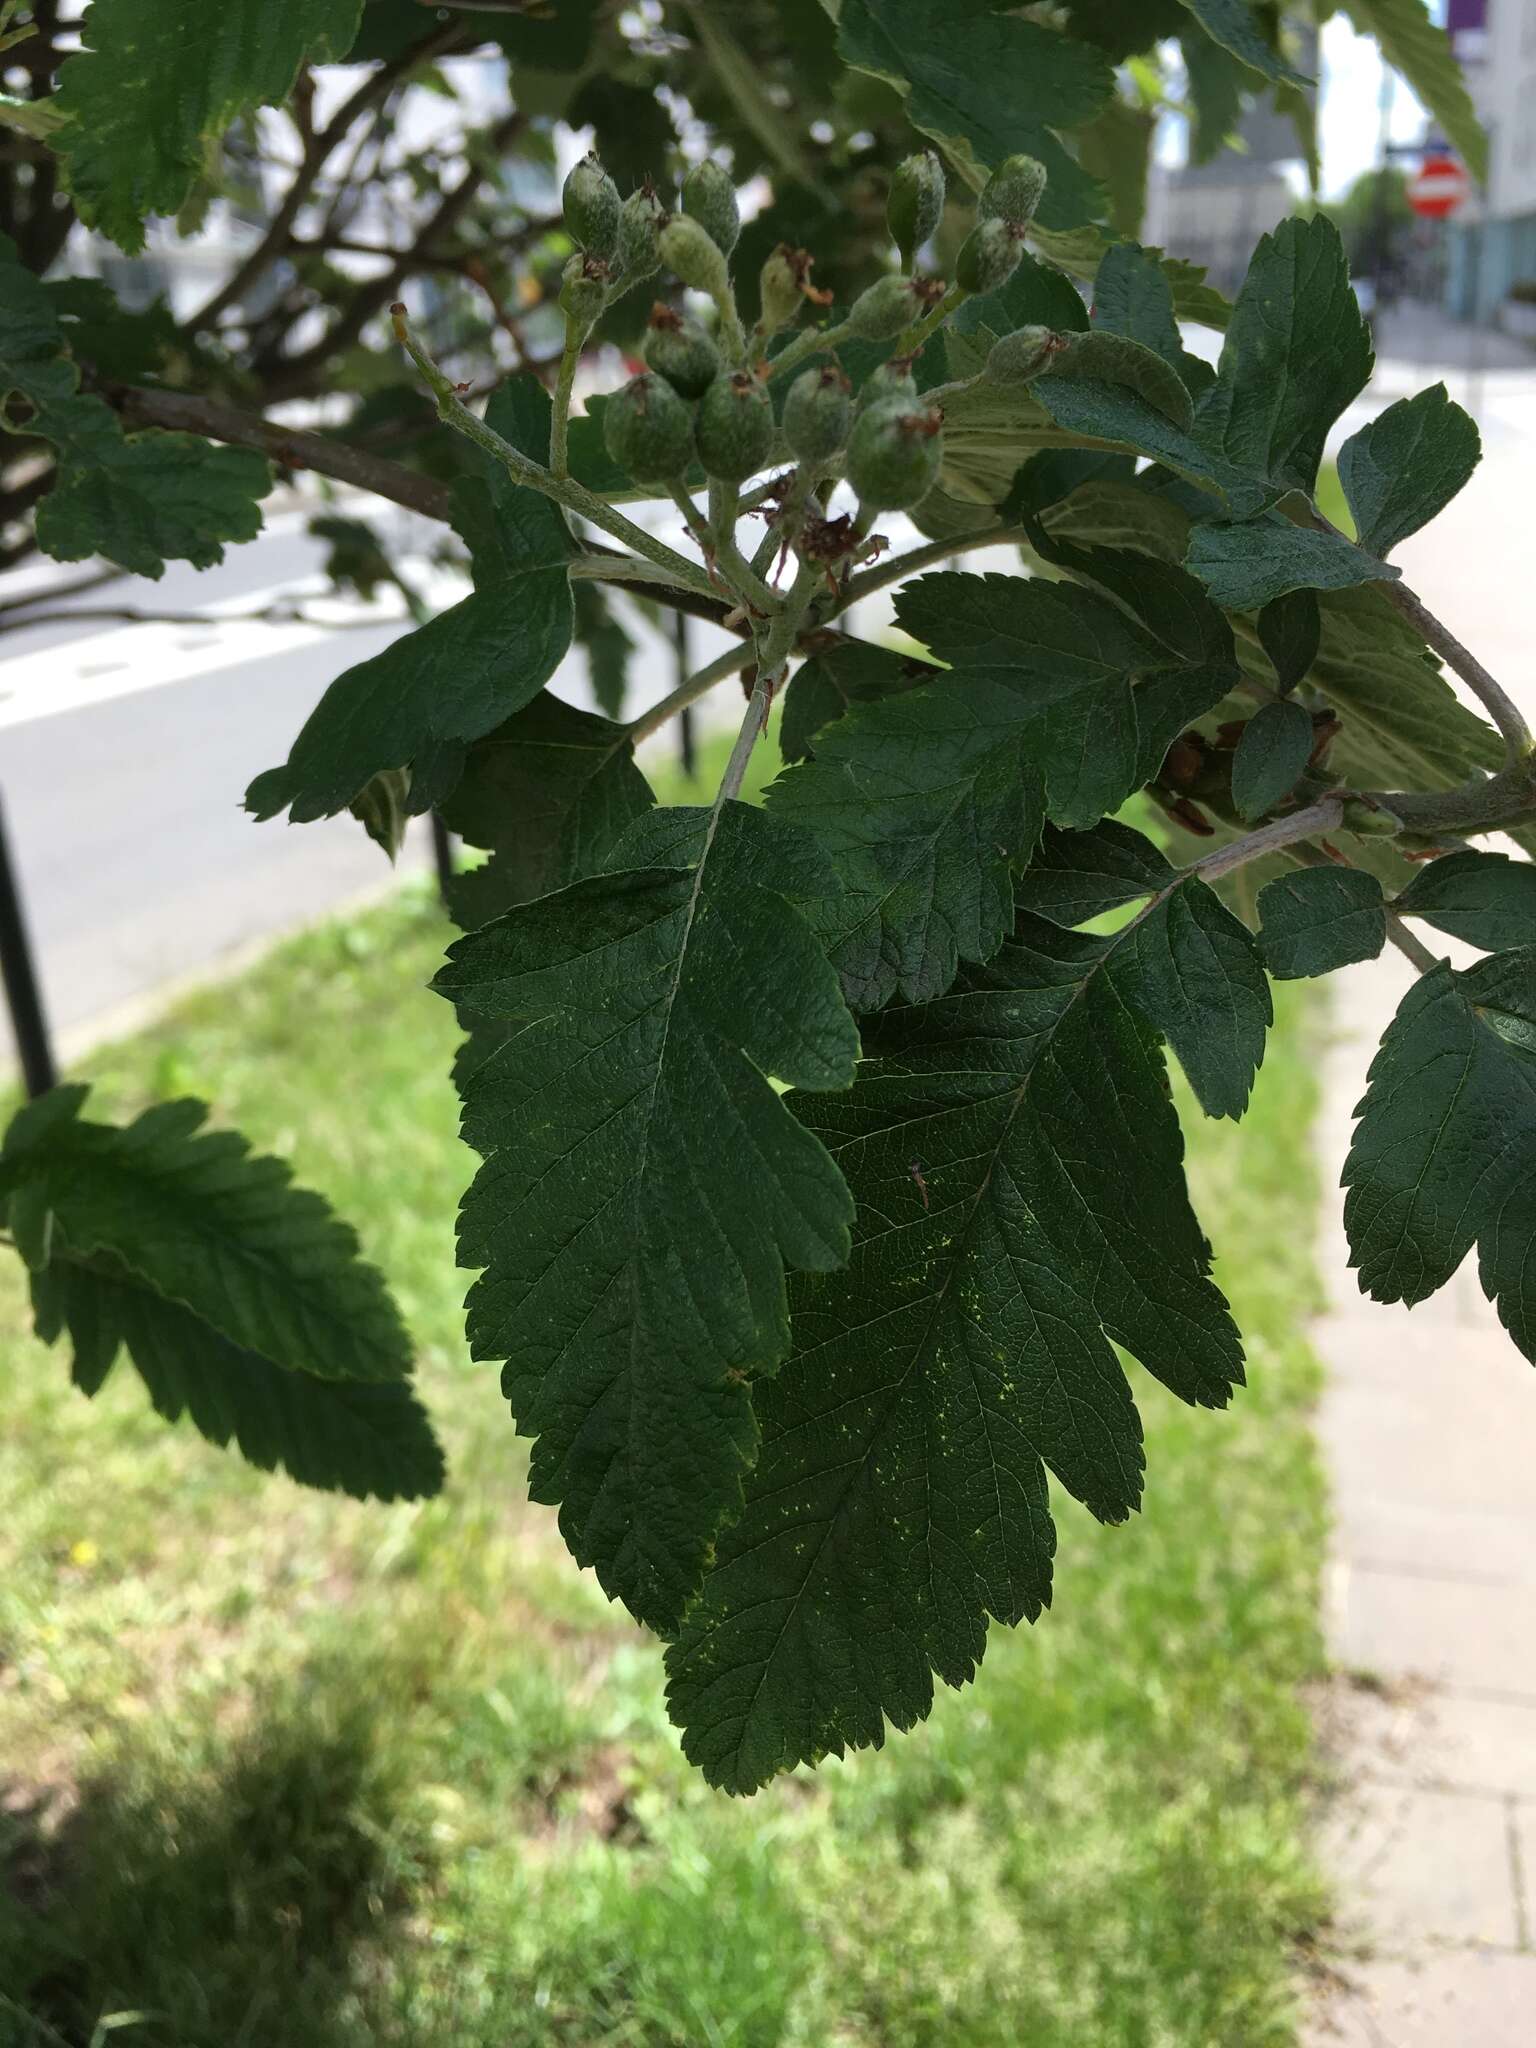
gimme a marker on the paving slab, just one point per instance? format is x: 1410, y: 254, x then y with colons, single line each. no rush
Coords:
x: 1467, y: 1999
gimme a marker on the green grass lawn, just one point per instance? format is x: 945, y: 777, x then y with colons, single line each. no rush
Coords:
x: 278, y: 1769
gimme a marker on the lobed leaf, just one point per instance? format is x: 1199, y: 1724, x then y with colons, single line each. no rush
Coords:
x: 1290, y: 631
x: 643, y: 1186
x: 1413, y: 43
x: 1002, y: 1248
x: 832, y: 682
x: 1487, y: 899
x: 1246, y: 566
x: 1271, y: 757
x: 1233, y: 24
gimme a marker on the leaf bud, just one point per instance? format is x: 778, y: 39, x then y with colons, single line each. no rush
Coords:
x: 590, y: 202
x: 709, y: 197
x: 733, y: 430
x: 818, y: 412
x: 887, y: 308
x: 989, y: 255
x: 679, y: 350
x: 691, y: 254
x: 916, y: 203
x: 894, y: 454
x: 1013, y: 192
x: 648, y: 430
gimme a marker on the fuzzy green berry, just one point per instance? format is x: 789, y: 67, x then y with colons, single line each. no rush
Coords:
x: 680, y: 351
x: 1013, y: 192
x: 1022, y: 355
x: 818, y: 412
x: 692, y: 255
x: 583, y: 291
x: 887, y: 308
x: 989, y: 255
x: 733, y: 430
x: 890, y: 379
x: 709, y: 197
x: 641, y: 219
x: 894, y: 454
x: 648, y: 430
x: 590, y: 202
x: 916, y: 203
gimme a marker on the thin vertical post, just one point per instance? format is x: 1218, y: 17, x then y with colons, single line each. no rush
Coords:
x: 442, y: 855
x: 22, y: 998
x: 685, y: 733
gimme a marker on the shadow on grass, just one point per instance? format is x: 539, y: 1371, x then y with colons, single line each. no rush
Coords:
x: 240, y: 1895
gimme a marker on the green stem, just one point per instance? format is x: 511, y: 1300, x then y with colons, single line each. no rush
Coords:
x: 524, y: 470
x: 698, y: 532
x: 560, y: 416
x: 895, y: 567
x: 914, y: 337
x: 731, y: 663
x: 733, y: 566
x: 811, y: 343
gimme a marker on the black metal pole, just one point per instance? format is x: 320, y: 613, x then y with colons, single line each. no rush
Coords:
x: 22, y: 999
x: 685, y: 733
x: 442, y: 855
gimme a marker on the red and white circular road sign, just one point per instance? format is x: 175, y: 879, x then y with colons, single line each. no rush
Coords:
x: 1439, y: 188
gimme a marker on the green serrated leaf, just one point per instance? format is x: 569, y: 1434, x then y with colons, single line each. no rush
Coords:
x: 368, y: 1439
x: 1233, y: 25
x: 606, y: 645
x: 157, y: 77
x: 1290, y: 631
x: 832, y: 682
x: 1002, y: 1249
x: 1019, y: 83
x: 643, y: 1187
x: 1487, y: 899
x: 1442, y: 1151
x: 1037, y: 295
x: 1113, y: 415
x: 1247, y: 564
x: 1415, y: 44
x: 1075, y: 876
x: 1132, y: 296
x: 138, y: 499
x: 1271, y: 757
x: 1194, y: 971
x: 451, y: 681
x: 1320, y: 919
x: 923, y: 801
x: 549, y: 794
x: 203, y: 1222
x: 1406, y: 466
x: 1215, y: 82
x: 1297, y: 352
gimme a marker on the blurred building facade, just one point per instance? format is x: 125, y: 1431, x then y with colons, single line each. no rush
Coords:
x: 1493, y: 243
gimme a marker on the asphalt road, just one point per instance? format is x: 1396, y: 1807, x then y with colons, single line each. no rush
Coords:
x: 125, y: 751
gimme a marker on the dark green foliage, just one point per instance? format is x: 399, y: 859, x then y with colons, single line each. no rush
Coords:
x: 1271, y: 757
x: 1290, y: 631
x: 1076, y: 876
x: 1441, y: 1158
x: 1406, y: 466
x: 1234, y: 25
x: 1247, y: 566
x: 1319, y: 920
x: 241, y: 1299
x: 635, y: 1276
x: 900, y: 1498
x: 849, y: 672
x: 1486, y: 899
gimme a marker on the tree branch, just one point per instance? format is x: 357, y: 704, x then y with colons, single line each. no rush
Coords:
x: 376, y: 87
x: 731, y: 663
x: 1324, y: 816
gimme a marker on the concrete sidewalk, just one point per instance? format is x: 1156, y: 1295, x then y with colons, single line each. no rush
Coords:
x: 1429, y: 1429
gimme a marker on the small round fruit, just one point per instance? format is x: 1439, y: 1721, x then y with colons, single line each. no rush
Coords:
x: 680, y: 351
x: 916, y: 203
x: 589, y: 200
x: 709, y: 197
x: 641, y: 219
x: 894, y: 454
x: 691, y: 254
x: 891, y: 379
x: 887, y: 308
x: 781, y: 287
x: 733, y: 430
x: 818, y: 411
x: 989, y: 255
x: 1013, y: 191
x: 1021, y: 356
x: 648, y: 430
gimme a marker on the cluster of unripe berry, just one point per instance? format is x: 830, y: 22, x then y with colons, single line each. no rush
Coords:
x: 704, y: 396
